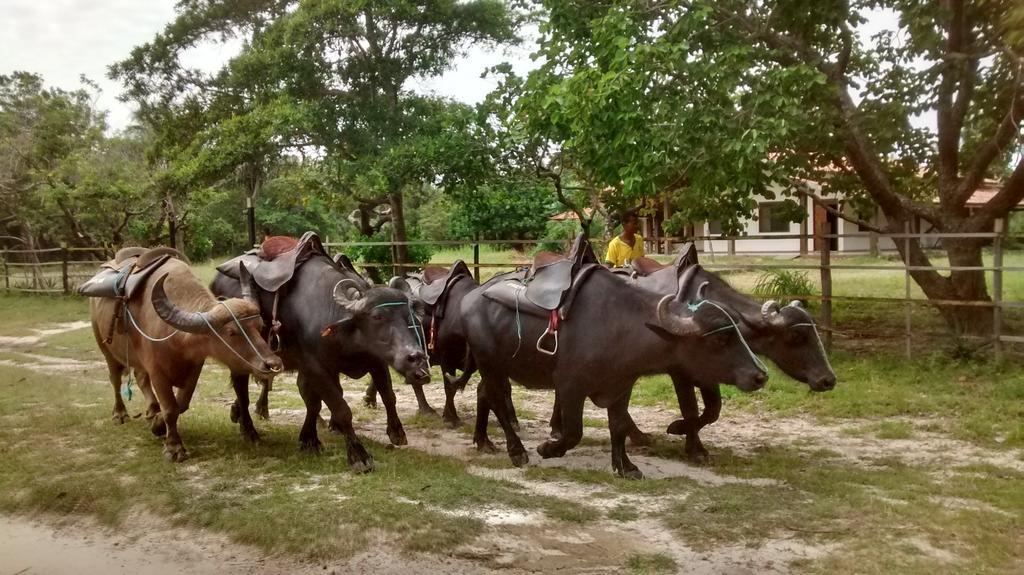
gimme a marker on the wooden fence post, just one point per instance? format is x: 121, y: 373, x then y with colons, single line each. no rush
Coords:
x: 64, y: 269
x: 907, y: 310
x: 826, y: 286
x: 7, y: 274
x: 997, y: 289
x: 476, y: 259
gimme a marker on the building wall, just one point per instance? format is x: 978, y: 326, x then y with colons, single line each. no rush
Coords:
x: 765, y: 244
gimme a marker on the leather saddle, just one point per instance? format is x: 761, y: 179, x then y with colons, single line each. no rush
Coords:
x: 552, y: 275
x: 437, y: 282
x: 271, y: 274
x: 549, y: 285
x: 121, y: 277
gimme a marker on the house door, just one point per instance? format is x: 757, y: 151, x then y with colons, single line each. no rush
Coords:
x: 825, y: 223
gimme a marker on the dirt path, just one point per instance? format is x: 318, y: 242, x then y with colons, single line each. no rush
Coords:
x: 59, y: 546
x: 514, y: 541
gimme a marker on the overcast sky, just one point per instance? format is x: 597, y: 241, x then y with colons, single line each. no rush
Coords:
x: 63, y: 39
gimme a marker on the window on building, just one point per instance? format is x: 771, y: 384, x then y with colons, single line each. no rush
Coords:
x: 771, y: 218
x: 715, y: 227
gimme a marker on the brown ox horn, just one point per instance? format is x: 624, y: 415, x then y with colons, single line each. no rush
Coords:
x: 674, y: 324
x: 190, y: 321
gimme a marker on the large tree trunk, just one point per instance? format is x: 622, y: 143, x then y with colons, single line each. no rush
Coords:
x: 400, y: 251
x: 965, y: 286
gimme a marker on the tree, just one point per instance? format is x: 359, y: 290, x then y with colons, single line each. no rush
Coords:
x: 61, y: 179
x: 714, y: 101
x: 330, y: 79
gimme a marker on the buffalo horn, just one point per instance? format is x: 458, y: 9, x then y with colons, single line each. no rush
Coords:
x: 245, y: 281
x: 189, y: 321
x: 672, y: 323
x: 684, y: 281
x: 770, y: 315
x: 353, y: 298
x: 796, y: 303
x: 399, y: 284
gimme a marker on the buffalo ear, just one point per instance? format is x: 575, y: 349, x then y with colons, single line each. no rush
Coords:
x: 340, y: 325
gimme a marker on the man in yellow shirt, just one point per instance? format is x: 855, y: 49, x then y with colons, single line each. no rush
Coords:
x: 626, y: 246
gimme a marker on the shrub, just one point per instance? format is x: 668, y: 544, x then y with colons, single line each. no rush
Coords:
x: 782, y: 284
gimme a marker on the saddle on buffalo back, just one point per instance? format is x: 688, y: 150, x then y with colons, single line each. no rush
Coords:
x: 121, y: 277
x: 271, y: 267
x: 551, y: 275
x: 550, y: 284
x: 437, y: 282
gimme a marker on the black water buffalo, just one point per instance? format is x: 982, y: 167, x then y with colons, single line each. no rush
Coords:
x: 787, y: 335
x: 332, y: 322
x: 616, y: 333
x: 445, y: 340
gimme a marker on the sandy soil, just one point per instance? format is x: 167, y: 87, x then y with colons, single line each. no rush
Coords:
x: 514, y: 541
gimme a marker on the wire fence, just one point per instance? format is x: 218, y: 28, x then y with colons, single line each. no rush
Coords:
x: 843, y: 309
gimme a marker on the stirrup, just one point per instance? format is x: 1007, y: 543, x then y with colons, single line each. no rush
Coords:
x: 541, y: 339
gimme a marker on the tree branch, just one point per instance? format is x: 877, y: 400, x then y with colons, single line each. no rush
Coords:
x: 1000, y: 204
x: 996, y: 145
x: 804, y: 191
x: 949, y: 135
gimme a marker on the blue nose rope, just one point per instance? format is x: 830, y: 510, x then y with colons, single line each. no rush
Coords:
x: 414, y: 324
x: 821, y: 346
x: 693, y: 307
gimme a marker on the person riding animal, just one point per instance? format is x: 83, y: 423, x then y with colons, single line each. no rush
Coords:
x: 628, y: 245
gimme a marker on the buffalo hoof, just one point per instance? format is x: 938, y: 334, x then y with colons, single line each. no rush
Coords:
x: 679, y: 427
x: 120, y: 417
x: 360, y: 467
x: 234, y: 413
x: 641, y: 439
x: 321, y: 422
x: 370, y: 401
x: 485, y: 446
x: 453, y: 422
x: 698, y: 457
x: 175, y: 453
x: 250, y: 434
x: 519, y: 459
x: 262, y: 411
x: 514, y: 424
x: 310, y: 445
x: 158, y: 426
x: 550, y: 449
x: 427, y: 410
x: 397, y: 435
x: 358, y: 459
x: 633, y: 473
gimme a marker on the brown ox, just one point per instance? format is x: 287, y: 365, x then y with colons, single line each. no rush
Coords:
x: 169, y: 330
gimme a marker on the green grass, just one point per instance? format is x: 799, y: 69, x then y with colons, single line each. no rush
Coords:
x: 21, y: 314
x: 268, y: 495
x: 651, y: 564
x: 980, y: 401
x: 62, y: 455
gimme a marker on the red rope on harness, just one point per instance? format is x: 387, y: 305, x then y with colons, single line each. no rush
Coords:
x: 553, y: 321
